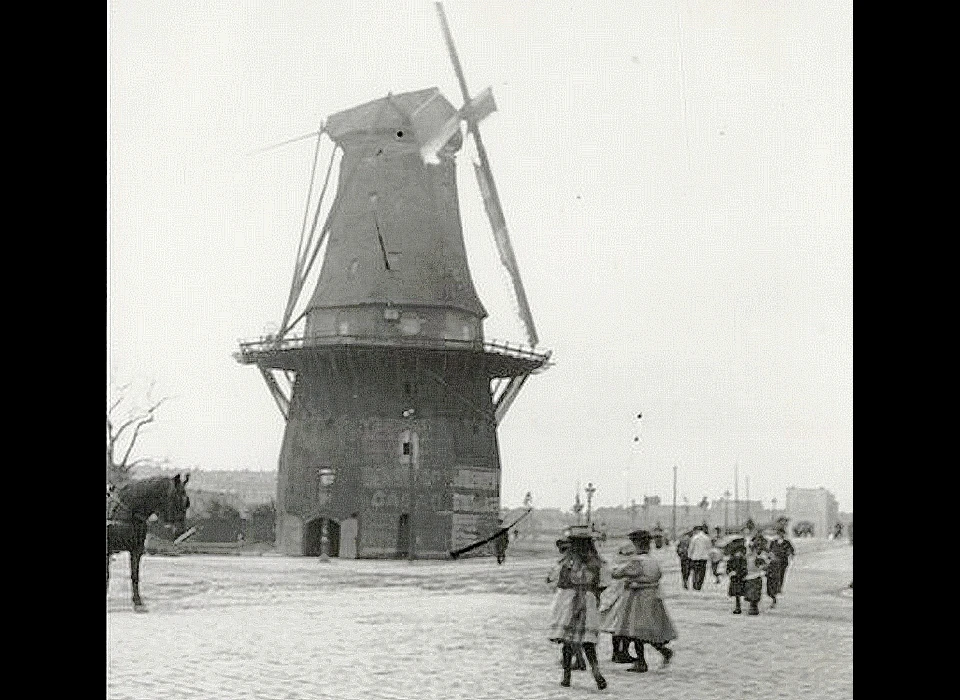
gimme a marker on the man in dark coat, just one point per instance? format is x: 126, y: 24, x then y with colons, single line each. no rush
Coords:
x: 501, y: 542
x: 781, y: 551
x: 683, y: 549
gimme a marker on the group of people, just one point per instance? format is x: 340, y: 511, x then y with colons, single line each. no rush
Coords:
x: 750, y: 559
x: 622, y: 600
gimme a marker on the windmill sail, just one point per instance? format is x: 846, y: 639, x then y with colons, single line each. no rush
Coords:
x: 504, y: 248
x: 473, y: 111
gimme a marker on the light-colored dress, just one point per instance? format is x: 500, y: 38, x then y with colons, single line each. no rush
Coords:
x: 639, y: 612
x: 573, y: 615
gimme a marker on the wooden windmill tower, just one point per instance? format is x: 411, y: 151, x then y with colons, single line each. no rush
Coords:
x: 390, y: 393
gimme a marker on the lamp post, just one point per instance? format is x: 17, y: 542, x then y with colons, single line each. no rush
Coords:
x: 674, y: 528
x: 327, y: 475
x: 590, y: 490
x: 577, y: 505
x: 411, y: 532
x: 726, y: 511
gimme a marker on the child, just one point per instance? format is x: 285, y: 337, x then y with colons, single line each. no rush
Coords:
x: 574, y: 622
x: 611, y: 597
x: 753, y: 583
x: 737, y: 571
x: 642, y: 616
x: 716, y: 556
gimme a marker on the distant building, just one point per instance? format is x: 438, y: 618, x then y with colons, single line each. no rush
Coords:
x: 816, y: 506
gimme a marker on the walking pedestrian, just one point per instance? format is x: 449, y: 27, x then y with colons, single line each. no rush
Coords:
x: 501, y: 543
x: 609, y: 600
x: 781, y: 551
x: 563, y: 546
x: 640, y: 614
x: 716, y: 556
x: 698, y: 551
x: 683, y: 546
x: 658, y: 536
x: 574, y: 621
x: 753, y: 583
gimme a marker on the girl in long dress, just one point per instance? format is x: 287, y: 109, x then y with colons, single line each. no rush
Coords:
x: 574, y: 622
x: 640, y: 614
x: 608, y: 607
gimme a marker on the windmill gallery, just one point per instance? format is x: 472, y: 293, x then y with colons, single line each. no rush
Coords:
x: 390, y: 394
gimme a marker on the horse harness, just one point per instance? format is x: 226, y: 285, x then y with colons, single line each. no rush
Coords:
x: 112, y: 496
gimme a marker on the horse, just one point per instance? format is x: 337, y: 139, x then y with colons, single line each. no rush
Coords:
x: 130, y: 507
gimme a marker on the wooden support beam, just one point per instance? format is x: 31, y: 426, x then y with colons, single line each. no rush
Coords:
x: 281, y: 398
x: 508, y: 395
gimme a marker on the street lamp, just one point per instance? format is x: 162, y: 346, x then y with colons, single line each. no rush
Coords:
x: 590, y: 490
x: 327, y: 476
x: 726, y: 510
x: 577, y: 505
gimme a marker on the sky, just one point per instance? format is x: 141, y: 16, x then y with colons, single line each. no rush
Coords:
x: 676, y: 177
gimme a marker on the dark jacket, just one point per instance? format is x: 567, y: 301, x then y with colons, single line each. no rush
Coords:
x: 737, y: 571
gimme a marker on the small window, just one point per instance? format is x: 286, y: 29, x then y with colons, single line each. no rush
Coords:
x: 407, y: 448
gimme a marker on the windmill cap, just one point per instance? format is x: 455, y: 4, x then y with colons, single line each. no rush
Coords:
x: 421, y: 111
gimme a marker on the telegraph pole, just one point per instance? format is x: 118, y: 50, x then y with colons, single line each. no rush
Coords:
x: 674, y: 502
x: 736, y: 495
x: 749, y: 513
x: 411, y: 531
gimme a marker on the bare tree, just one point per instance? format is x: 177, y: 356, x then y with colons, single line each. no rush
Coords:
x: 126, y: 419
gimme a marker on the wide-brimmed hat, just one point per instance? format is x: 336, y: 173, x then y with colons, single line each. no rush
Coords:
x: 562, y: 541
x: 641, y: 535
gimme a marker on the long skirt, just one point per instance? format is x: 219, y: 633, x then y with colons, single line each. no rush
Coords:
x: 753, y: 589
x: 774, y: 578
x: 573, y: 616
x: 641, y: 615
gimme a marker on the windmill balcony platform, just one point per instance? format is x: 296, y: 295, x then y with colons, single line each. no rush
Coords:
x: 501, y: 359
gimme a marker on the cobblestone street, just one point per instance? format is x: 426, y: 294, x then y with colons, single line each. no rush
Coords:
x: 272, y: 627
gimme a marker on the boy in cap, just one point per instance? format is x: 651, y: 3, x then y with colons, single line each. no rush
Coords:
x: 781, y: 549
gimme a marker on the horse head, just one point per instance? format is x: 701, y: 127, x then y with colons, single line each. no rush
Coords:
x: 177, y: 503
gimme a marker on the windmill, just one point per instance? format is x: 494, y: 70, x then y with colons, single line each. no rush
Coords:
x: 384, y: 378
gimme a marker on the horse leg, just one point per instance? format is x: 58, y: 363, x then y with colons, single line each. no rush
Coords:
x: 135, y: 580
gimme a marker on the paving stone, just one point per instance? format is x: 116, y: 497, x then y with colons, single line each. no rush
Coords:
x: 285, y: 628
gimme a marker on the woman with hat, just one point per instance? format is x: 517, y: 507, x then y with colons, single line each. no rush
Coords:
x: 574, y: 621
x: 640, y: 615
